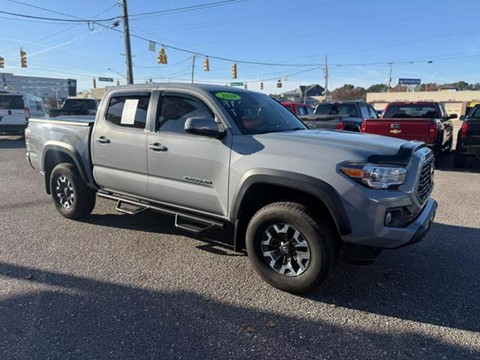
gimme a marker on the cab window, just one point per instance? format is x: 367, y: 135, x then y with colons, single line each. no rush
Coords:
x: 173, y: 111
x: 128, y: 111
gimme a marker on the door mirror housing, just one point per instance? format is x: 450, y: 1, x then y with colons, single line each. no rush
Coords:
x: 205, y: 126
x: 453, y: 116
x: 462, y: 118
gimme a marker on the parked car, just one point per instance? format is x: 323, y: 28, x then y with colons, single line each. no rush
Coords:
x: 76, y: 106
x: 422, y: 121
x: 468, y: 138
x: 343, y: 115
x: 298, y: 109
x: 219, y: 157
x: 15, y: 110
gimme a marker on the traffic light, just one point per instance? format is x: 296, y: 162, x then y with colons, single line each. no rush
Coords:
x: 245, y: 86
x: 23, y: 58
x: 206, y: 64
x: 261, y: 86
x: 2, y: 62
x: 234, y: 71
x: 94, y: 83
x: 118, y: 82
x: 162, y: 57
x: 279, y: 83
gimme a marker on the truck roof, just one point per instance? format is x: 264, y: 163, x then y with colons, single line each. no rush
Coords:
x: 172, y: 85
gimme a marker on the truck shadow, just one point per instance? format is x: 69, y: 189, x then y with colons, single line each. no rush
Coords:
x: 63, y: 316
x: 11, y: 142
x: 430, y: 282
x: 215, y: 241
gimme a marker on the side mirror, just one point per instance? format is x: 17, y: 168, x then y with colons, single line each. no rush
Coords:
x: 205, y: 126
x: 453, y: 116
x: 462, y: 118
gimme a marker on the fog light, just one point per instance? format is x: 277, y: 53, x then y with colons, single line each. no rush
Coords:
x: 388, y: 218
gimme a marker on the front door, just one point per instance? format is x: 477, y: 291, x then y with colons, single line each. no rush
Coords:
x: 187, y: 170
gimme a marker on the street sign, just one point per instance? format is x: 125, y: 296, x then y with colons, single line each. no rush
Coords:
x: 105, y: 79
x: 409, y: 81
x: 238, y: 83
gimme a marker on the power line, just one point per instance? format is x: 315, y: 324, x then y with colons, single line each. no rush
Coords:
x: 57, y: 19
x: 183, y: 9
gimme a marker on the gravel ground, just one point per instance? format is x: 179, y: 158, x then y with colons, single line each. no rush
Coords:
x: 134, y: 287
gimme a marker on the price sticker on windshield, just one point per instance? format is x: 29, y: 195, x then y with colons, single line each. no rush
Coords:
x: 227, y: 96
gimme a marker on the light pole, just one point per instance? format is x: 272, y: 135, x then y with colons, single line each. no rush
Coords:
x: 118, y: 73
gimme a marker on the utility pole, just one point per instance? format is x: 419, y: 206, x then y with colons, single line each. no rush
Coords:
x: 193, y: 68
x: 128, y: 50
x: 389, y: 79
x: 325, y: 72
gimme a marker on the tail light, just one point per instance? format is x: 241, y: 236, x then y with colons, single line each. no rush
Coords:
x: 464, y: 130
x: 340, y: 125
x: 432, y: 132
x: 364, y: 127
x: 27, y: 113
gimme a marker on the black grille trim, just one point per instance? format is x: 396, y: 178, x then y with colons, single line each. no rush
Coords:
x: 425, y: 183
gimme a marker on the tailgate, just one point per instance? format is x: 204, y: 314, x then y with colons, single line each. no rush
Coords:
x: 473, y: 132
x: 411, y: 129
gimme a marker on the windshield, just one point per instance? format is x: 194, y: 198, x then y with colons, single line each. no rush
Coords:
x: 258, y: 113
x: 411, y: 111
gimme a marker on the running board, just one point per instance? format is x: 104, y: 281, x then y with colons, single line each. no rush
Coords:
x: 183, y: 220
x: 135, y: 211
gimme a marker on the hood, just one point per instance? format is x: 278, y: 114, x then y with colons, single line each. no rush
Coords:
x: 330, y: 143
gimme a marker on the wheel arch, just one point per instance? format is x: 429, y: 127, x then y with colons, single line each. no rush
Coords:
x: 264, y: 186
x: 57, y: 153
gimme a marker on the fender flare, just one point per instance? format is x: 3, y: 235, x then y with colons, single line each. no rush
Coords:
x: 71, y: 152
x: 321, y: 190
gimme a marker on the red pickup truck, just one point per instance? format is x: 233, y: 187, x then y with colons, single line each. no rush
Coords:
x: 423, y: 121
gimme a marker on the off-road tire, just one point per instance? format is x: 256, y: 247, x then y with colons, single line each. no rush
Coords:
x: 71, y: 196
x: 304, y: 228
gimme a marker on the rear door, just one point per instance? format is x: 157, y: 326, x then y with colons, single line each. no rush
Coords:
x: 187, y: 170
x: 12, y: 109
x: 119, y: 144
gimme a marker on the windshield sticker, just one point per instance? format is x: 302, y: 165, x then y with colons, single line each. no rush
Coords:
x: 129, y: 111
x: 227, y: 96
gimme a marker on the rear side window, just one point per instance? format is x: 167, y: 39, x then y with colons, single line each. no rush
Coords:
x: 128, y: 111
x: 11, y: 102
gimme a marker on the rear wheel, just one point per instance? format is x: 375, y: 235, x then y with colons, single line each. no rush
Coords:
x: 71, y: 196
x: 289, y: 248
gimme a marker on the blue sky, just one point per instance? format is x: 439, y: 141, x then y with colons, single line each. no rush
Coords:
x: 269, y: 40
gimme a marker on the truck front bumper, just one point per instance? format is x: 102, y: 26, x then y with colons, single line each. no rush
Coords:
x: 389, y: 237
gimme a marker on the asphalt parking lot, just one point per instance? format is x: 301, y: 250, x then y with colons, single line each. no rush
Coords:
x: 134, y: 287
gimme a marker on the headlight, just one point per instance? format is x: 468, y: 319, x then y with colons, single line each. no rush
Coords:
x: 375, y: 176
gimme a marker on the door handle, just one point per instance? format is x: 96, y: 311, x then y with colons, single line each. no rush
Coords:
x: 103, y: 140
x: 157, y: 147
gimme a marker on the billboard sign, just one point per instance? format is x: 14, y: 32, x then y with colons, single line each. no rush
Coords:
x: 404, y: 81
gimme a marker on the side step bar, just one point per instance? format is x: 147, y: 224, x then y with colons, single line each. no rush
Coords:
x: 183, y: 220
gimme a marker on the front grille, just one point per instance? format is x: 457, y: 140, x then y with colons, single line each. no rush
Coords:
x: 425, y: 183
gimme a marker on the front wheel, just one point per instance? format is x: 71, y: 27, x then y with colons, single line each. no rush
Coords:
x: 289, y: 248
x: 71, y: 196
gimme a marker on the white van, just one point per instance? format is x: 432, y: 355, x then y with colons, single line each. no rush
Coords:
x: 15, y: 110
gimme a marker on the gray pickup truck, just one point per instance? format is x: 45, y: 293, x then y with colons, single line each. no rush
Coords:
x: 220, y: 157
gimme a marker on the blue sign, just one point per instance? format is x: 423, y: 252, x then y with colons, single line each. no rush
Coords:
x: 409, y: 81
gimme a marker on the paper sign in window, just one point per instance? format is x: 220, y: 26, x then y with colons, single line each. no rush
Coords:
x: 129, y: 111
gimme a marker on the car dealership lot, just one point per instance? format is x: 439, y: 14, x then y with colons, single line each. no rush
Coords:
x: 113, y: 286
